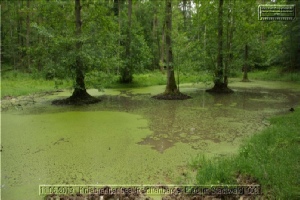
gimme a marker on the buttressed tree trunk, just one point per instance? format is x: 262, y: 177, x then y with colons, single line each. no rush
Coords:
x: 171, y: 84
x: 79, y: 96
x: 80, y: 86
x: 221, y: 81
x: 171, y: 91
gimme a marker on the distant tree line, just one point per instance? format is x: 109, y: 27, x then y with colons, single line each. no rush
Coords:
x: 123, y: 37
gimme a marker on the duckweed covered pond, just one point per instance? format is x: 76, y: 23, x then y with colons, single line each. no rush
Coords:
x: 128, y: 138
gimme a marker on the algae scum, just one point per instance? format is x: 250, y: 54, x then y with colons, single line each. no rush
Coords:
x: 128, y: 138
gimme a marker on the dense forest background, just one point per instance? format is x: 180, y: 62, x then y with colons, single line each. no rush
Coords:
x: 120, y: 38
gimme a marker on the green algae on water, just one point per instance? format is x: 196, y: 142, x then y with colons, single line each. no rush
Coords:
x: 128, y: 138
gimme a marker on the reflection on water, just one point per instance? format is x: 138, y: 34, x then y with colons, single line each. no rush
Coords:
x: 204, y: 119
x: 127, y: 138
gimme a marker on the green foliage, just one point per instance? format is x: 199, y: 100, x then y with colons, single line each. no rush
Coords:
x: 141, y: 58
x: 213, y: 171
x: 148, y: 79
x: 275, y: 74
x: 34, y: 40
x: 35, y: 82
x: 99, y: 80
x: 16, y: 83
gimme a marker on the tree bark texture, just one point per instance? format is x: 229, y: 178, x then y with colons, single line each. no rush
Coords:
x: 171, y: 84
x: 127, y: 71
x: 219, y: 73
x: 28, y: 33
x: 221, y: 80
x: 80, y: 89
x: 80, y: 95
x: 245, y: 68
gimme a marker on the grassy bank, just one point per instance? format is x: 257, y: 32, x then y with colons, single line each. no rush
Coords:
x: 270, y: 158
x: 274, y: 74
x: 14, y: 83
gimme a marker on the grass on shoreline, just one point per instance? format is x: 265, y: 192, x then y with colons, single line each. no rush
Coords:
x: 270, y: 159
x: 14, y: 83
x: 274, y: 74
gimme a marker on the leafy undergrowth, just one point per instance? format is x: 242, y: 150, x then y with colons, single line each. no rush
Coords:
x: 274, y: 74
x: 270, y: 159
x: 159, y: 78
x: 16, y: 84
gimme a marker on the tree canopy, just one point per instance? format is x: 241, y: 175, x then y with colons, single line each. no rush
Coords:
x: 124, y: 37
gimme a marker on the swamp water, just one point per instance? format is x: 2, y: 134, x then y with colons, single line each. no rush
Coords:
x: 128, y: 138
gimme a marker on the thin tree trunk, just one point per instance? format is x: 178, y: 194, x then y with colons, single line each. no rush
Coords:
x: 128, y: 49
x: 184, y: 10
x: 155, y: 52
x: 126, y: 76
x: 28, y: 34
x: 227, y: 46
x: 220, y: 44
x: 245, y: 68
x: 162, y: 50
x: 19, y: 33
x: 229, y: 36
x: 171, y: 84
x: 116, y: 9
x: 13, y: 47
x: 204, y: 44
x: 263, y: 30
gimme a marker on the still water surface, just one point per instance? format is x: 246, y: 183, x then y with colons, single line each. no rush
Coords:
x: 128, y: 138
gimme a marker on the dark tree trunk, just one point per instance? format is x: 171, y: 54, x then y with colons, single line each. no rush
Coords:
x: 155, y: 41
x: 219, y: 73
x: 162, y: 50
x: 245, y: 68
x: 79, y: 96
x: 117, y: 11
x: 221, y: 80
x: 184, y: 10
x: 28, y: 34
x: 20, y: 36
x: 116, y: 7
x: 171, y: 91
x: 126, y: 76
x: 229, y: 35
x: 80, y: 86
x: 171, y: 84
